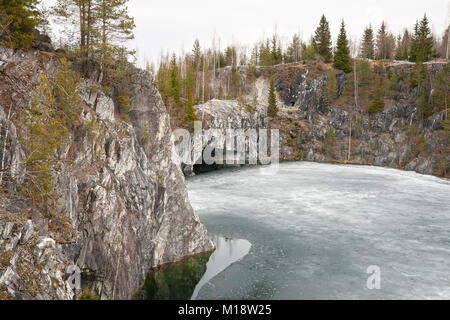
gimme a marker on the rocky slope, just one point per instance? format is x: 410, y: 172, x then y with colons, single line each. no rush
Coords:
x: 394, y: 138
x: 123, y: 205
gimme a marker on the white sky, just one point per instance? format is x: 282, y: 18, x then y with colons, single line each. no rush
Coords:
x: 173, y: 25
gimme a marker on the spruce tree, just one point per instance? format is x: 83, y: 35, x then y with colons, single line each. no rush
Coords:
x: 266, y: 57
x: 18, y: 18
x: 174, y: 80
x: 342, y: 54
x: 293, y: 53
x: 196, y: 54
x: 275, y: 51
x: 322, y: 40
x: 382, y: 42
x: 377, y: 104
x: 403, y: 46
x: 272, y: 108
x: 308, y: 52
x: 422, y: 42
x: 368, y: 44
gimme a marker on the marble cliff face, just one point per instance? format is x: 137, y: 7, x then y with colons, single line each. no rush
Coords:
x: 126, y: 206
x: 394, y: 138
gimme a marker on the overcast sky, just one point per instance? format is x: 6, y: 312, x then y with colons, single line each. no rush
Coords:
x: 173, y: 25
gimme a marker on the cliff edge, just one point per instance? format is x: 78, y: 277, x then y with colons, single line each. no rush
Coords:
x: 122, y: 205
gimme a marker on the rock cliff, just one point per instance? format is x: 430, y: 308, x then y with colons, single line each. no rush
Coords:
x: 122, y: 197
x: 394, y: 138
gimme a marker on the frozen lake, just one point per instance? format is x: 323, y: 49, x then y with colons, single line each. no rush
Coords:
x: 315, y: 229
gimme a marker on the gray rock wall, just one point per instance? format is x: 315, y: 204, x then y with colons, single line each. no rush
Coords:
x: 124, y: 195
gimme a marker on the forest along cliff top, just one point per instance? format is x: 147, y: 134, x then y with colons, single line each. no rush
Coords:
x: 318, y: 119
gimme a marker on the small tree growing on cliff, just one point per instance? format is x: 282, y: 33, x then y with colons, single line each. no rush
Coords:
x: 377, y: 104
x: 54, y: 111
x: 330, y: 140
x: 441, y: 88
x: 190, y: 117
x: 332, y: 90
x: 272, y: 109
x: 342, y: 54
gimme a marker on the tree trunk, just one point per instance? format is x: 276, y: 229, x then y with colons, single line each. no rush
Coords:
x: 203, y: 81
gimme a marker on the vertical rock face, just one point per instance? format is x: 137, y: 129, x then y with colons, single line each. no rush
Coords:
x: 394, y: 138
x: 124, y: 196
x: 217, y: 117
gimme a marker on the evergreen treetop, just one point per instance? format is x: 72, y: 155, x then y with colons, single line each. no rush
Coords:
x: 422, y: 42
x: 368, y: 44
x: 322, y: 40
x: 342, y: 54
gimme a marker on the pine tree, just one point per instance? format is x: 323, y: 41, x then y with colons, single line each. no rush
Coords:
x: 342, y: 54
x: 103, y: 28
x: 272, y: 109
x: 79, y: 13
x: 322, y: 40
x: 18, y: 18
x: 114, y: 27
x: 368, y: 44
x: 54, y: 110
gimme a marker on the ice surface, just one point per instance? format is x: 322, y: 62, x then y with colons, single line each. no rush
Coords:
x: 316, y: 228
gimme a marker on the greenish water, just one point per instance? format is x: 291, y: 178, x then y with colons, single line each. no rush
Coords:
x: 183, y: 280
x: 174, y: 281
